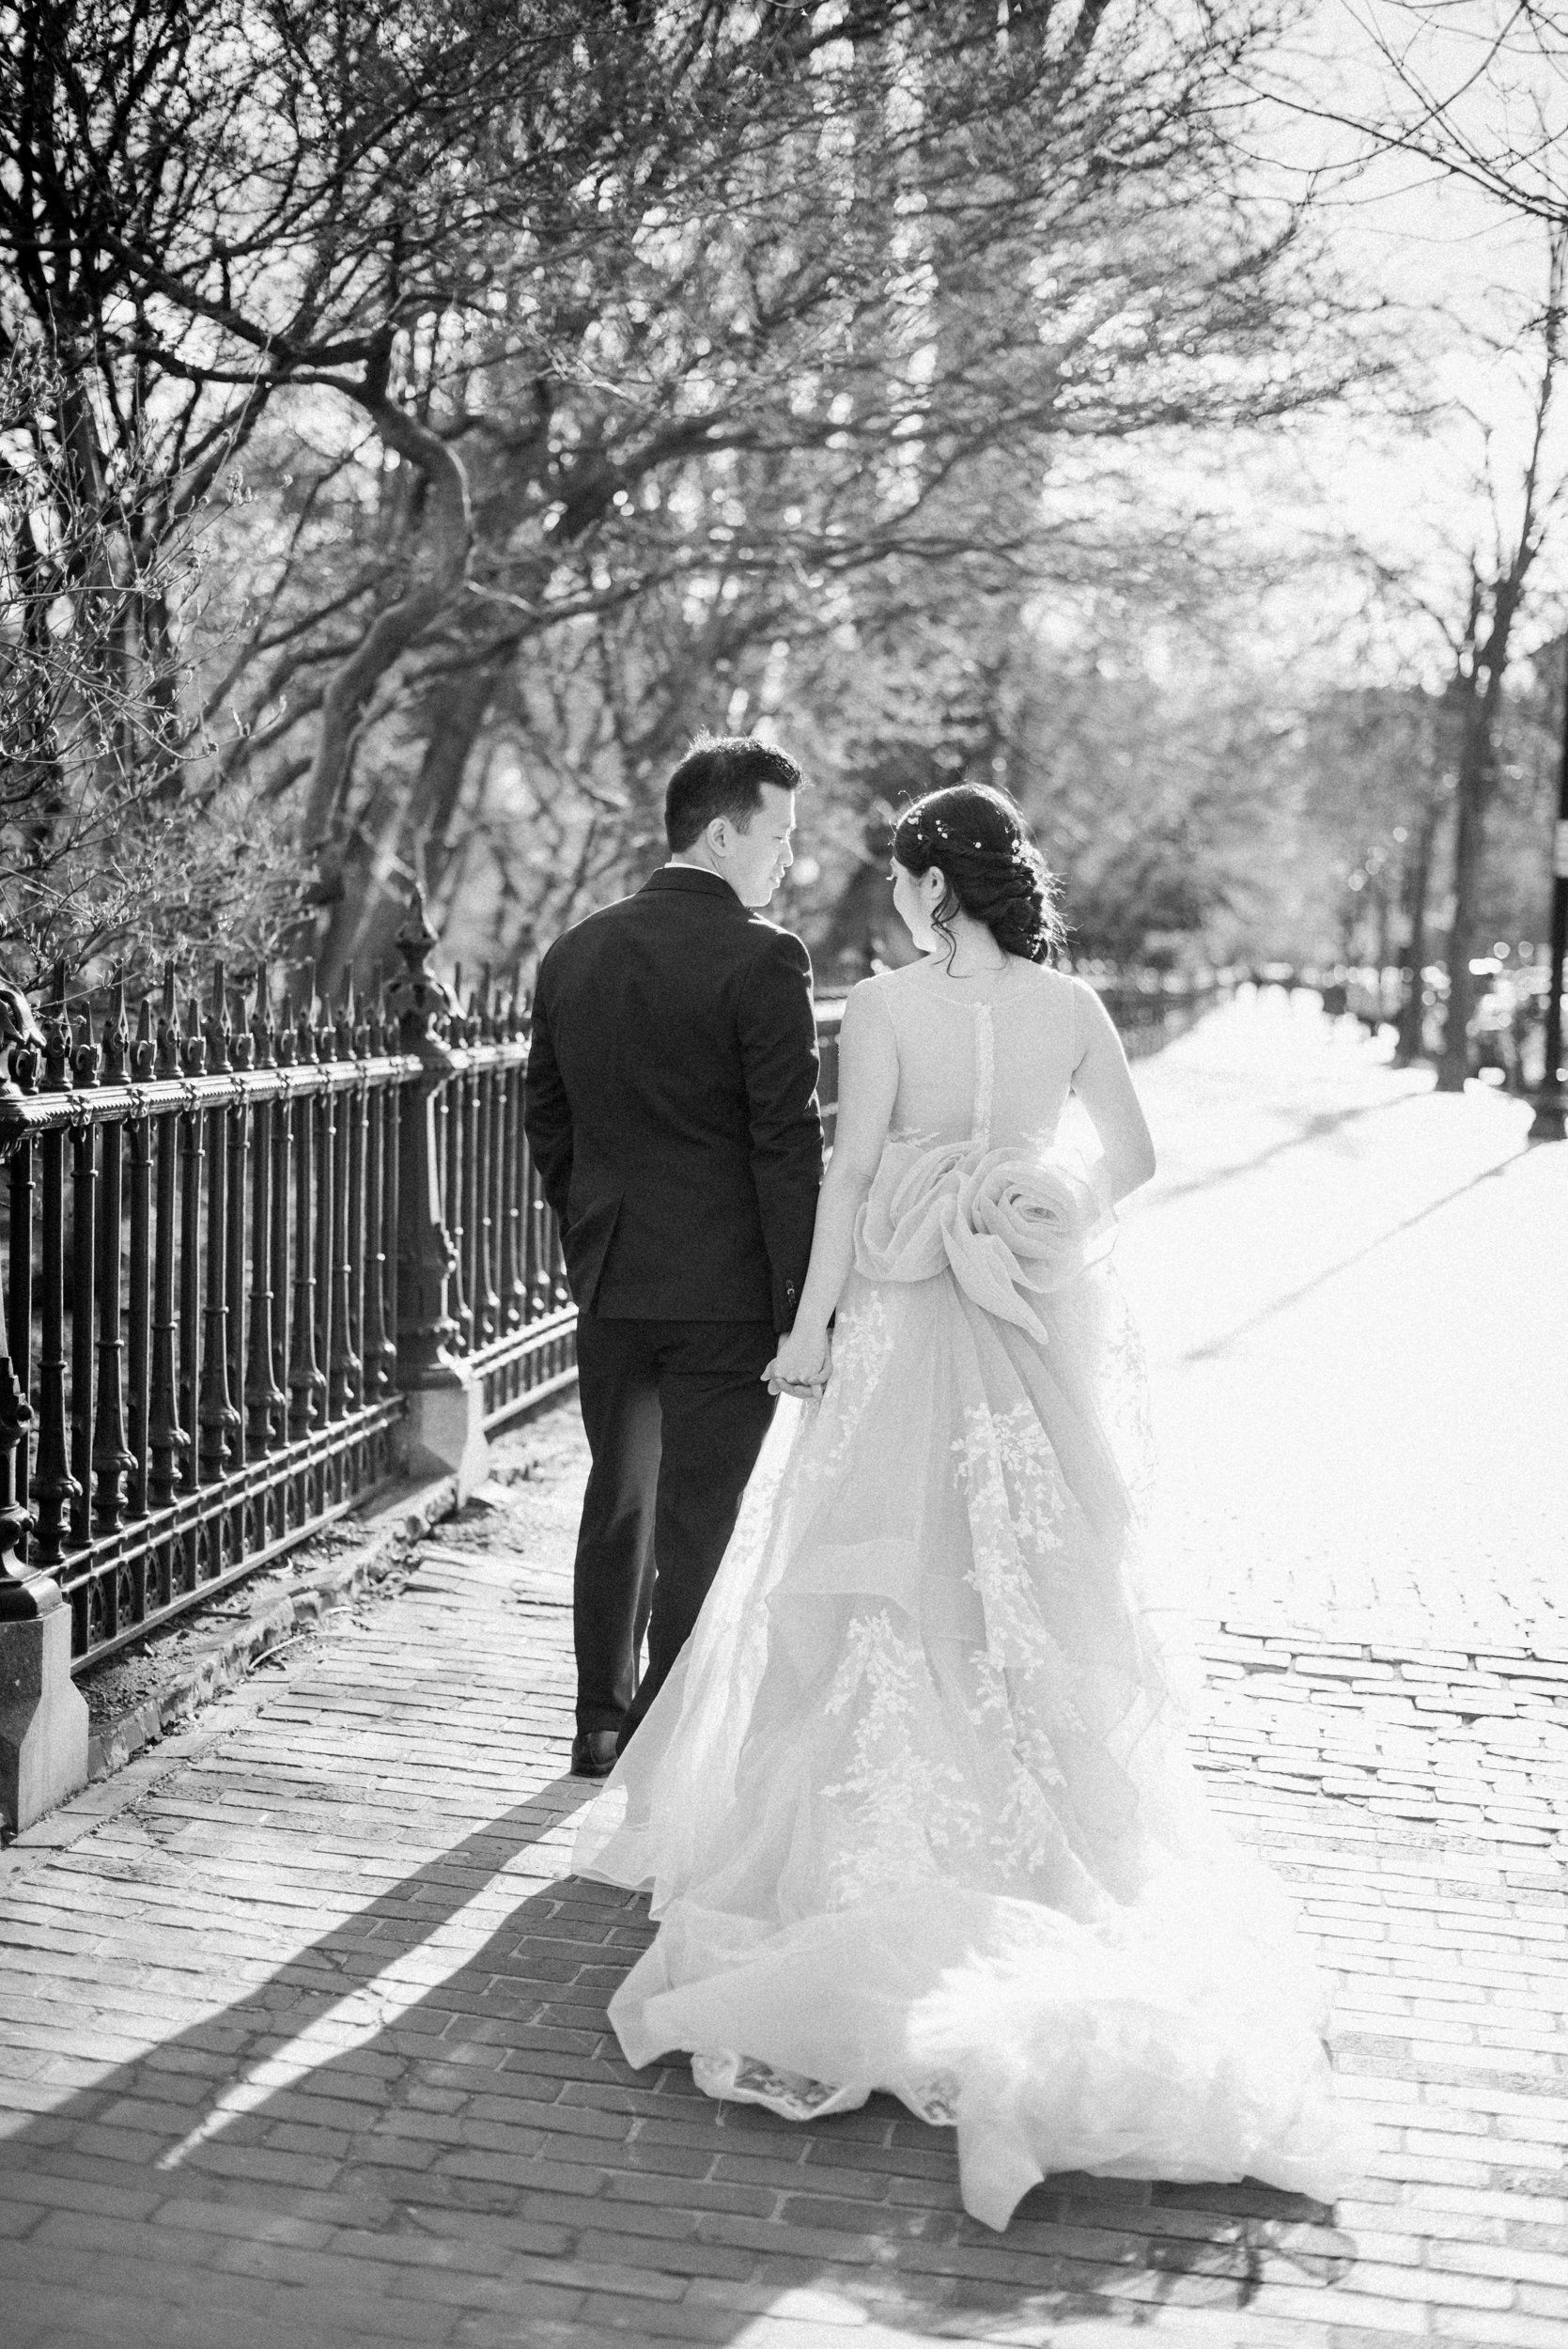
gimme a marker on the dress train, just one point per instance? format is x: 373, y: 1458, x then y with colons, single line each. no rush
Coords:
x: 914, y: 1808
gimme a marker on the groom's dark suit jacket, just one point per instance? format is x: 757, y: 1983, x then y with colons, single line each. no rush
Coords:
x: 670, y: 1105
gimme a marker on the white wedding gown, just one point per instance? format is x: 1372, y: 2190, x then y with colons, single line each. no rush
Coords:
x: 913, y: 1807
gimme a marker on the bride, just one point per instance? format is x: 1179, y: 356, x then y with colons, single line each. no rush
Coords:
x: 913, y: 1806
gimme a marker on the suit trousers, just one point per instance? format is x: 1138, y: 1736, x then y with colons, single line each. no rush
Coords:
x: 675, y: 1412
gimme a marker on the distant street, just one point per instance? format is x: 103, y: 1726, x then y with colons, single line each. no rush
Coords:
x: 302, y: 2039
x: 1354, y: 1296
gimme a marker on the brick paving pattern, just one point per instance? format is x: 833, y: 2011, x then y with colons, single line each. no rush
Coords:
x: 302, y: 2016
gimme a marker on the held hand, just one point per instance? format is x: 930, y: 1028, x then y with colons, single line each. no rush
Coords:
x: 802, y: 1366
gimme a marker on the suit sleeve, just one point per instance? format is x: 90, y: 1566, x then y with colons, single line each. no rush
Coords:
x: 545, y: 1111
x: 778, y: 1050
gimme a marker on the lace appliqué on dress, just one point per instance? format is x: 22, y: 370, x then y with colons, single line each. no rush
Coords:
x: 901, y: 1809
x: 863, y: 1342
x: 737, y: 2079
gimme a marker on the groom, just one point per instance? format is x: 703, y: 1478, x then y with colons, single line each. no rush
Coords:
x: 671, y: 1107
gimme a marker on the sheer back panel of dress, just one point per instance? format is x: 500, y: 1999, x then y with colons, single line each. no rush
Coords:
x: 981, y: 1059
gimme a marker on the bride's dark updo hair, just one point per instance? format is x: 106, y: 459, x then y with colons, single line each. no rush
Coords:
x: 992, y: 868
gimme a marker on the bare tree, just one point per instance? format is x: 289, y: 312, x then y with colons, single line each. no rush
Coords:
x: 1477, y: 88
x: 1375, y: 769
x: 843, y: 358
x: 1481, y: 637
x: 107, y: 842
x: 207, y: 203
x: 520, y: 314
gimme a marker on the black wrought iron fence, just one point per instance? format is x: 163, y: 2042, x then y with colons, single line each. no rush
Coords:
x: 204, y: 1341
x: 240, y: 1238
x: 512, y: 1315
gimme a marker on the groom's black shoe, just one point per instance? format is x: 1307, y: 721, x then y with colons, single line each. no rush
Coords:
x: 593, y: 1753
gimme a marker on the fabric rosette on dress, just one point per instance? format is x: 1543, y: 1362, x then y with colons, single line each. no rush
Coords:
x: 1012, y: 1225
x: 914, y: 1808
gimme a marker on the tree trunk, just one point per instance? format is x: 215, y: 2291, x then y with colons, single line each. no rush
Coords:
x: 1418, y: 889
x: 1469, y: 857
x: 436, y: 571
x: 162, y: 663
x: 1381, y: 886
x: 379, y: 864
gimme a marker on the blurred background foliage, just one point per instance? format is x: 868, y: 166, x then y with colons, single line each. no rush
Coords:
x: 418, y: 420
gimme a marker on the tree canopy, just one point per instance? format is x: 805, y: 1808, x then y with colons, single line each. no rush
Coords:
x: 536, y: 343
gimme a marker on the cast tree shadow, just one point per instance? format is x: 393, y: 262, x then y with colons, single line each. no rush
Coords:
x: 421, y: 2128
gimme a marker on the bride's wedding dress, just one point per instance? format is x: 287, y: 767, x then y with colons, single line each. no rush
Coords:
x: 913, y: 1807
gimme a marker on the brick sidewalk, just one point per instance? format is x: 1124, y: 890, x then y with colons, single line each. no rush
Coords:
x: 303, y: 2020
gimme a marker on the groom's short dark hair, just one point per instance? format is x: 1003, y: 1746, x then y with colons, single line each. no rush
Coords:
x: 723, y: 774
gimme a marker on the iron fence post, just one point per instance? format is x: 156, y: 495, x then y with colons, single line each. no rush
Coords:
x: 111, y: 1459
x: 44, y: 1718
x: 426, y: 1259
x: 25, y: 1593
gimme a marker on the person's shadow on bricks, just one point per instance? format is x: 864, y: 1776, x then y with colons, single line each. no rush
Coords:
x: 421, y: 2127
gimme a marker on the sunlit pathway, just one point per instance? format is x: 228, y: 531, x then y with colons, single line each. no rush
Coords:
x: 1355, y: 1294
x: 301, y: 2021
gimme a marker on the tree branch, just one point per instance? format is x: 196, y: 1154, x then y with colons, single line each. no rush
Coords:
x: 435, y: 574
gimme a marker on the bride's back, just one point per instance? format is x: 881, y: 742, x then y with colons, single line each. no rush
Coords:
x: 986, y: 1058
